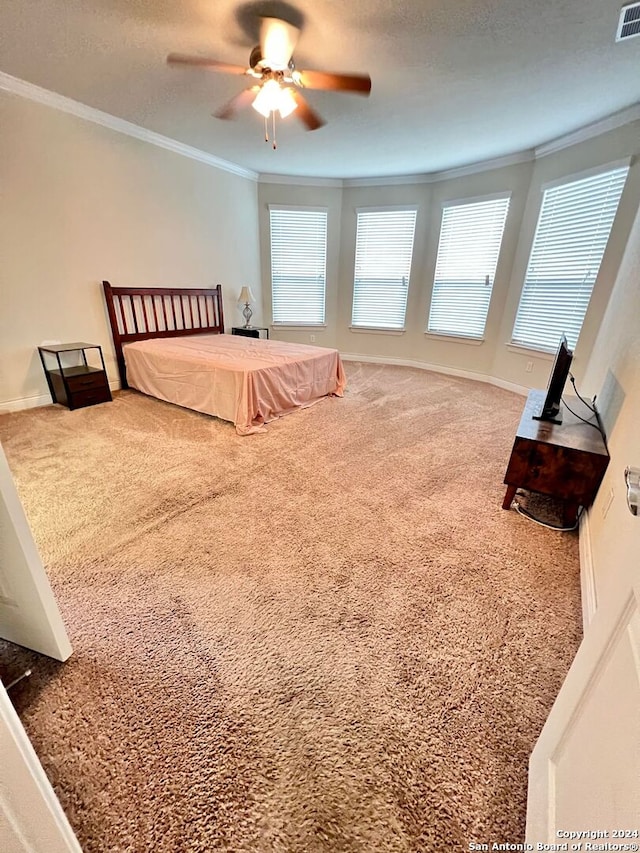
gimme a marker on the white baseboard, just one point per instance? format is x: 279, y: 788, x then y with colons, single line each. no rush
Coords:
x: 25, y: 403
x: 439, y: 368
x: 587, y: 573
x: 40, y: 400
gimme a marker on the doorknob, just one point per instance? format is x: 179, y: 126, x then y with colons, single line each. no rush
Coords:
x: 632, y: 479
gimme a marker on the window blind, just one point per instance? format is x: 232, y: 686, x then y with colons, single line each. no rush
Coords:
x: 384, y: 248
x: 298, y: 266
x: 470, y: 240
x: 572, y: 233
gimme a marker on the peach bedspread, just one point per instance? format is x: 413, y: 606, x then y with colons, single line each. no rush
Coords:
x: 247, y: 381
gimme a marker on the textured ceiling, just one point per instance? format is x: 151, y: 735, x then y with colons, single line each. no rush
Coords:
x: 452, y: 84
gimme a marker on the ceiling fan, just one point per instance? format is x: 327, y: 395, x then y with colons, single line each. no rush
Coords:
x: 276, y: 83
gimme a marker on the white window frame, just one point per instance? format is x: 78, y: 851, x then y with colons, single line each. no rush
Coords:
x: 447, y: 297
x: 296, y: 289
x: 360, y: 297
x: 528, y: 329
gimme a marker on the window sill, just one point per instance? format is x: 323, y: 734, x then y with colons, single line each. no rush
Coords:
x: 375, y: 330
x: 527, y: 350
x: 298, y: 325
x: 458, y: 339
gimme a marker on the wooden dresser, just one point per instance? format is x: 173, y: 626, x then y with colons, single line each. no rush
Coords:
x: 566, y: 461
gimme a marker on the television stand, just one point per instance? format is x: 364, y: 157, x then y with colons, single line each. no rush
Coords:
x: 566, y: 461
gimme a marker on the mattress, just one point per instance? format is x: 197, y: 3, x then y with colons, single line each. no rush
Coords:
x: 248, y: 381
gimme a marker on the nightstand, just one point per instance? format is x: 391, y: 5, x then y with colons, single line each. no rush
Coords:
x: 78, y: 384
x: 250, y: 331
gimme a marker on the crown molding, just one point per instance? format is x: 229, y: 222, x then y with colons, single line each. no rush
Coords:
x: 611, y: 122
x: 400, y: 180
x: 526, y: 156
x: 299, y: 181
x: 391, y: 180
x: 23, y: 89
x: 619, y: 119
x: 447, y: 174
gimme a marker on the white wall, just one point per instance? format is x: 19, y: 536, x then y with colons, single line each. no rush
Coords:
x: 82, y: 203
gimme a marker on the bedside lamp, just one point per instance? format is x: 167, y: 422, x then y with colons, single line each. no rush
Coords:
x: 245, y: 300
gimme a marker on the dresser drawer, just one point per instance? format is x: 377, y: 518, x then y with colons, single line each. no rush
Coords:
x: 89, y: 397
x: 86, y: 381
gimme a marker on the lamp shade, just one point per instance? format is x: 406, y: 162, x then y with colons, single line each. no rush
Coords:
x: 246, y: 296
x: 287, y: 103
x: 267, y: 99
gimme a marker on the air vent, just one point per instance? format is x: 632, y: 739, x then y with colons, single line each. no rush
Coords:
x: 629, y: 23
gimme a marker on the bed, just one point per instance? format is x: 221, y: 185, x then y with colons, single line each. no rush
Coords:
x: 170, y: 344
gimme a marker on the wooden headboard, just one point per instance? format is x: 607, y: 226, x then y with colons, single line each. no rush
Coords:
x: 138, y: 313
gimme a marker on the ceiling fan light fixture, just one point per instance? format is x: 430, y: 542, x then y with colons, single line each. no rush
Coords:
x: 268, y: 98
x: 274, y: 83
x: 272, y: 97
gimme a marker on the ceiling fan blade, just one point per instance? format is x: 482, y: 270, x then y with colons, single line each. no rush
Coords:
x: 241, y: 100
x: 277, y: 42
x: 358, y: 83
x: 204, y: 62
x: 304, y: 112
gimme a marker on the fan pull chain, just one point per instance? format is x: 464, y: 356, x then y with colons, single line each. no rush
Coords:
x: 273, y: 129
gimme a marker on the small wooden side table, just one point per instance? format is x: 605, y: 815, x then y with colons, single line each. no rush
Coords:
x: 78, y: 385
x: 566, y: 461
x: 250, y: 331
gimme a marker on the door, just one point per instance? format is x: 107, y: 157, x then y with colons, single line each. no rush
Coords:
x: 29, y: 614
x: 31, y: 818
x: 584, y: 773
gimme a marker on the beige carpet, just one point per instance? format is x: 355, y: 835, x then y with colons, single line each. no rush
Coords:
x: 326, y: 638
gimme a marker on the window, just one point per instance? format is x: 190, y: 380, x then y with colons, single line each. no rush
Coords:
x: 573, y: 229
x: 384, y: 248
x: 298, y: 265
x: 470, y: 240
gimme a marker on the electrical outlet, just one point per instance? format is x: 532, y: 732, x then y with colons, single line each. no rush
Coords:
x: 312, y: 338
x: 529, y: 366
x: 607, y: 504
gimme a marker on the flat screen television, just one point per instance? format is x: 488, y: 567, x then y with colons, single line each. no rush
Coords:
x: 552, y: 407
